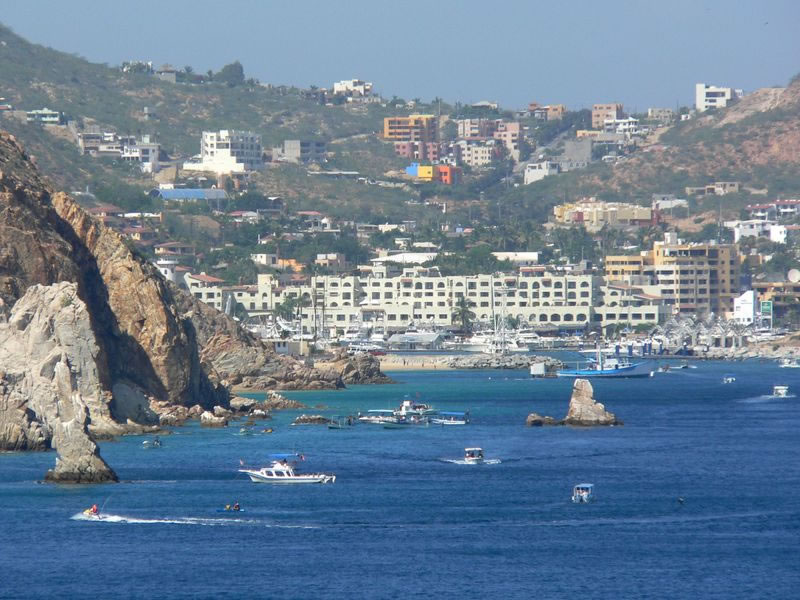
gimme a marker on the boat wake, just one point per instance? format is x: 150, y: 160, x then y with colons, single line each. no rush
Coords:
x: 208, y: 522
x: 766, y: 398
x: 461, y: 461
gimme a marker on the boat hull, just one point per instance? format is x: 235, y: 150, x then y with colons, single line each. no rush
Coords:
x: 257, y: 477
x: 627, y: 371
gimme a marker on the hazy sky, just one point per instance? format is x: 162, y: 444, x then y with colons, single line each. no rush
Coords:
x: 642, y: 53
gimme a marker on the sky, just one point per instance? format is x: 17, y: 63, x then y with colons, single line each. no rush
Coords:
x: 642, y: 53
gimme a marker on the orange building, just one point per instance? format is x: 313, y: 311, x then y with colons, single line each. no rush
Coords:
x: 447, y: 174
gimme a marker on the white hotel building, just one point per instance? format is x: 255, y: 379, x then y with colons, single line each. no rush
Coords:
x: 228, y: 151
x: 535, y: 296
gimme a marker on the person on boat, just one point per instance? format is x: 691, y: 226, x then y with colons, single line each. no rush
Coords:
x: 227, y: 507
x: 236, y: 506
x: 94, y: 510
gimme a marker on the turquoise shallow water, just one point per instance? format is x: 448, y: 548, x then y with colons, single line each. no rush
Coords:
x: 401, y: 522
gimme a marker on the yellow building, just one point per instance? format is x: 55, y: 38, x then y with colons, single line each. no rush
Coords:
x: 413, y: 128
x: 694, y: 278
x: 425, y: 172
x: 594, y: 215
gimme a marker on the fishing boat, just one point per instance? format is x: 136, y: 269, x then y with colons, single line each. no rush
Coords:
x: 780, y: 391
x: 340, y: 422
x: 450, y: 418
x: 281, y: 471
x: 603, y: 366
x: 155, y: 443
x: 473, y: 456
x: 583, y: 493
x: 790, y: 363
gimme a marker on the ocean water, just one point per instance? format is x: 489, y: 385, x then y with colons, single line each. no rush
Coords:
x: 403, y: 522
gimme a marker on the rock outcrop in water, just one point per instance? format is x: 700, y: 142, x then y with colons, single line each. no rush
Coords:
x: 361, y: 368
x: 583, y: 411
x: 51, y: 389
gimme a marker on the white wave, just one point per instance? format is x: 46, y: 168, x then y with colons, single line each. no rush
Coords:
x: 461, y: 461
x: 111, y: 518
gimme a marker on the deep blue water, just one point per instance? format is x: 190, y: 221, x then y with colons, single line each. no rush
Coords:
x: 402, y: 523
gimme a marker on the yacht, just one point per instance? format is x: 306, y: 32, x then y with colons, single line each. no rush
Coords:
x: 281, y: 470
x: 790, y: 363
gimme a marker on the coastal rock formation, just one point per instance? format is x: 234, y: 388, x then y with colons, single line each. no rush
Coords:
x: 311, y: 420
x: 584, y: 410
x: 537, y: 420
x: 361, y: 368
x: 209, y: 419
x: 242, y: 360
x: 142, y: 358
x: 51, y: 387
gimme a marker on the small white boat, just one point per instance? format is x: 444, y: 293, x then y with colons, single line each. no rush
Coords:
x: 583, y: 493
x: 473, y: 456
x: 155, y: 443
x: 281, y: 471
x: 729, y: 379
x: 780, y: 391
x: 451, y: 418
x: 790, y: 363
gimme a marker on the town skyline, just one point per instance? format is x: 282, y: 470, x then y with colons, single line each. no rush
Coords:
x: 577, y: 56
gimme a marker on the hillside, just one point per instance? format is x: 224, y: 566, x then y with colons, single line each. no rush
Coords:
x: 32, y: 77
x: 755, y: 142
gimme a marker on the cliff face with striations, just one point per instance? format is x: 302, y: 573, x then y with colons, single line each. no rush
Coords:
x: 239, y: 358
x: 51, y: 385
x: 141, y: 348
x: 103, y: 355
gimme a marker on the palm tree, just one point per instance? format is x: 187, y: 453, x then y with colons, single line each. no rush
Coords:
x: 285, y: 310
x: 462, y: 314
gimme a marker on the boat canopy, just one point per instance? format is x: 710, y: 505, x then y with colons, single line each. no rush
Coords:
x: 473, y: 449
x: 452, y: 414
x: 584, y: 486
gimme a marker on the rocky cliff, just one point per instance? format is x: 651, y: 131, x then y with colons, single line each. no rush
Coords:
x: 240, y: 359
x: 51, y: 387
x: 99, y: 358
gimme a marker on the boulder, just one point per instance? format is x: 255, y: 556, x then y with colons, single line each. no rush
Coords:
x: 220, y: 411
x: 195, y: 411
x: 361, y: 368
x: 240, y: 404
x: 311, y: 420
x: 208, y: 419
x: 537, y: 420
x: 274, y: 401
x: 584, y: 410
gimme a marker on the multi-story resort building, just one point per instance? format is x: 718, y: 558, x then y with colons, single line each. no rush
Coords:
x: 693, y: 278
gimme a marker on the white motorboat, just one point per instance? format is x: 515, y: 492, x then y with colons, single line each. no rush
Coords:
x: 473, y: 456
x: 377, y: 416
x: 790, y: 363
x: 451, y: 418
x: 780, y: 391
x: 729, y: 379
x: 583, y: 493
x: 410, y: 408
x: 281, y: 471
